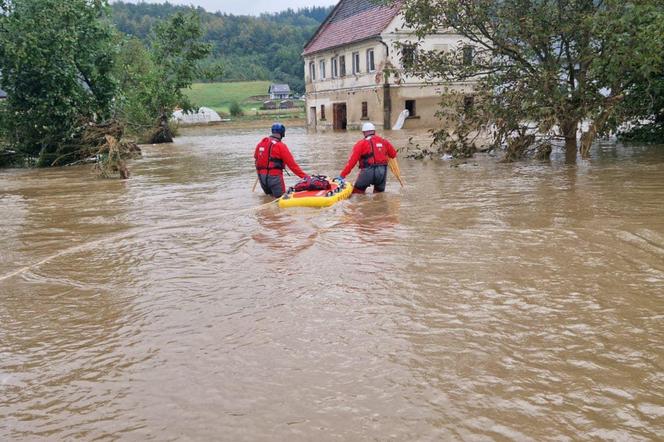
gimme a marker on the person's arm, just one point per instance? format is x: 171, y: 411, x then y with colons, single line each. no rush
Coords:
x: 391, y: 151
x: 352, y: 161
x: 288, y: 159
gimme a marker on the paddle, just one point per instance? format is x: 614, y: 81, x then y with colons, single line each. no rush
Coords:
x: 396, y: 170
x: 253, y: 189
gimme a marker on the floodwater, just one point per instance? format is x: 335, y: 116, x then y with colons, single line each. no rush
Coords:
x: 481, y: 302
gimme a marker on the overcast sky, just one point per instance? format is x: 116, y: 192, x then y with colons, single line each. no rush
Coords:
x: 246, y: 7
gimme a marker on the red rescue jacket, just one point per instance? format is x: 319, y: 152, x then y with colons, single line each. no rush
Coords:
x: 272, y: 156
x: 371, y: 151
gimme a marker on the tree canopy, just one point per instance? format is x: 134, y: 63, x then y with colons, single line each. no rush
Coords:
x: 541, y: 68
x: 55, y: 58
x: 72, y: 80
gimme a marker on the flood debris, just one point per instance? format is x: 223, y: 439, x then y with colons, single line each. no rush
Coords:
x: 105, y: 145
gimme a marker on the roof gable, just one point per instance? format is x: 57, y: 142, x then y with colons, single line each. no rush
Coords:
x: 352, y: 21
x: 3, y: 94
x: 280, y: 89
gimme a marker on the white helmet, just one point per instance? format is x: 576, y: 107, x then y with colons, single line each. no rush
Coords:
x: 368, y: 127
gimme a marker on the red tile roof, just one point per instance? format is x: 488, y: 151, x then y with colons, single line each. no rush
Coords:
x: 352, y: 21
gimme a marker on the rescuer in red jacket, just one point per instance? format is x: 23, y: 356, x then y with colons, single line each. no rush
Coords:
x: 373, y: 154
x: 272, y: 156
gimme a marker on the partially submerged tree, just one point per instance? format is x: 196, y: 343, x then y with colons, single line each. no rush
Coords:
x: 177, y: 50
x: 55, y: 59
x: 540, y: 68
x: 152, y: 78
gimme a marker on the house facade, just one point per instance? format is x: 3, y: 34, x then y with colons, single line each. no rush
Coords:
x: 279, y: 92
x: 354, y: 70
x: 3, y: 95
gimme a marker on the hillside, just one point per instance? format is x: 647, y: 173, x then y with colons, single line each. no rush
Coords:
x: 266, y: 47
x: 248, y: 94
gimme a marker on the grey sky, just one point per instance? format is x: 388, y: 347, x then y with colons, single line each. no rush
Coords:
x: 247, y: 7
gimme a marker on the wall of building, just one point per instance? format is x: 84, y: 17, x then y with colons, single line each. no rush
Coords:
x: 363, y: 79
x: 370, y: 87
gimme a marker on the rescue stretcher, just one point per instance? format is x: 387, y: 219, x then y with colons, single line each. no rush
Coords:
x: 317, y: 198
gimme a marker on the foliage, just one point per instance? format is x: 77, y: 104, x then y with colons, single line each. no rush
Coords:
x: 540, y: 68
x: 235, y: 109
x: 55, y: 59
x: 153, y: 78
x: 137, y: 74
x: 249, y: 48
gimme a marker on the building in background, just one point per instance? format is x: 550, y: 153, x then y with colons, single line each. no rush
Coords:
x: 3, y: 95
x: 354, y: 70
x: 279, y: 92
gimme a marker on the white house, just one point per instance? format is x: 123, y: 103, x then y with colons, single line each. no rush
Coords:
x: 3, y: 95
x: 354, y: 71
x: 279, y: 92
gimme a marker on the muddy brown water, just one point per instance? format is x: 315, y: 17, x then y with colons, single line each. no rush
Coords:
x: 481, y: 302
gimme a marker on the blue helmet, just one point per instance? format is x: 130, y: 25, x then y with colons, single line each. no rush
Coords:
x: 278, y: 128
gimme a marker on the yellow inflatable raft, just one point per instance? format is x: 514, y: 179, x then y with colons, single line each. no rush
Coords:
x: 317, y: 198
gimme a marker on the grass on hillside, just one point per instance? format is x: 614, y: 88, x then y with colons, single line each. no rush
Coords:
x: 250, y: 95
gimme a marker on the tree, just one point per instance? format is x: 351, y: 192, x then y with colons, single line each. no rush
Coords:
x: 56, y: 58
x: 541, y: 68
x: 644, y: 102
x: 176, y: 50
x: 136, y: 74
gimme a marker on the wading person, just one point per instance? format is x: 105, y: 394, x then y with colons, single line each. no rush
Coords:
x: 373, y: 153
x: 272, y: 156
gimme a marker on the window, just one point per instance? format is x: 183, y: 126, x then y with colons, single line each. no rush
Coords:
x: 322, y: 111
x: 335, y: 67
x: 410, y: 106
x: 356, y: 62
x: 408, y: 55
x: 468, y: 54
x: 322, y: 70
x: 371, y: 63
x: 312, y: 71
x: 365, y: 110
x: 342, y: 66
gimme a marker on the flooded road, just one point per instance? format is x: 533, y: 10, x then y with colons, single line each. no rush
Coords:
x: 481, y: 302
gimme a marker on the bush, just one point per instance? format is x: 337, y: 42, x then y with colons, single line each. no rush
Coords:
x: 236, y: 110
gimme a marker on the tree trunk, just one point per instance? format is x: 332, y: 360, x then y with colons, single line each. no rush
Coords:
x: 569, y: 128
x: 162, y: 134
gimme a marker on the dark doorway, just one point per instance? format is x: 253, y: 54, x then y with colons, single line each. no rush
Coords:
x: 340, y: 116
x: 411, y: 107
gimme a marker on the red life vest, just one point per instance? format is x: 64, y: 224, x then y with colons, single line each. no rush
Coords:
x: 374, y: 153
x: 264, y: 159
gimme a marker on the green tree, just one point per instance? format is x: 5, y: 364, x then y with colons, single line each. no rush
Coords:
x: 56, y: 58
x: 541, y: 68
x: 644, y: 101
x: 137, y: 74
x: 177, y: 53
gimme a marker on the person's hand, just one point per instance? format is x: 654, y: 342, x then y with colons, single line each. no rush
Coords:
x: 339, y: 180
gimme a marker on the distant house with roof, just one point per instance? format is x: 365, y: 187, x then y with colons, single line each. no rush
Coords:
x: 279, y: 92
x: 3, y: 95
x: 347, y: 63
